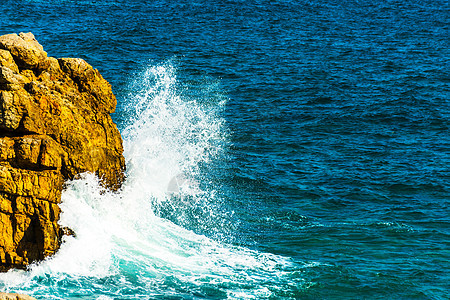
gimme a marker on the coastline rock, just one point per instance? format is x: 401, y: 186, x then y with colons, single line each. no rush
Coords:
x: 27, y: 52
x: 54, y: 124
x: 14, y: 296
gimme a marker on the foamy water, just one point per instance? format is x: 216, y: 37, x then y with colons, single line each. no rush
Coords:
x: 122, y: 248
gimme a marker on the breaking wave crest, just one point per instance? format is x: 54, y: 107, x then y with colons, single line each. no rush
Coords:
x: 125, y: 247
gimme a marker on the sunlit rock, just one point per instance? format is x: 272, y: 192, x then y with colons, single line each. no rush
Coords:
x: 54, y: 124
x: 14, y: 296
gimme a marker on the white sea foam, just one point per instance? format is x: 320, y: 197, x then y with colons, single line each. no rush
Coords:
x: 119, y: 236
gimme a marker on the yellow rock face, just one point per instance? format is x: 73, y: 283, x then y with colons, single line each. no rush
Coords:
x: 54, y: 124
x: 14, y: 296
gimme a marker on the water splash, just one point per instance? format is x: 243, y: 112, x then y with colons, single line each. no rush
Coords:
x: 169, y: 134
x: 123, y: 247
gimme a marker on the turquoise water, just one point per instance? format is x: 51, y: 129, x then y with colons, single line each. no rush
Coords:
x: 275, y: 150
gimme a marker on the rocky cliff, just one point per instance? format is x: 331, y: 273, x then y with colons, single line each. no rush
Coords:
x: 54, y: 124
x: 13, y: 296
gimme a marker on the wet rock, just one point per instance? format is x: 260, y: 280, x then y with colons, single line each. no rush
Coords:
x: 54, y: 125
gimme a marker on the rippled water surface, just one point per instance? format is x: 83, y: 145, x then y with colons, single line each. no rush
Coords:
x: 275, y: 150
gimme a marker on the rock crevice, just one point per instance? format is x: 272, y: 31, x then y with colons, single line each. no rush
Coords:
x: 54, y: 124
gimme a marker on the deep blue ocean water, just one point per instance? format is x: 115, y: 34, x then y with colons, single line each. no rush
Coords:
x: 310, y: 141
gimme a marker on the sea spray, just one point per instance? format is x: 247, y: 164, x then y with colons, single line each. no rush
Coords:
x: 174, y: 132
x: 168, y: 135
x: 124, y: 248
